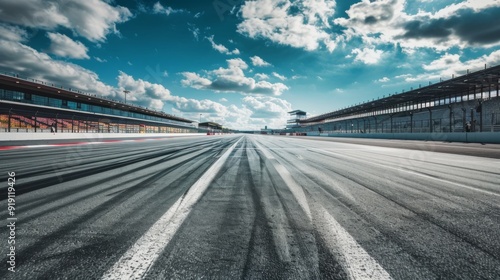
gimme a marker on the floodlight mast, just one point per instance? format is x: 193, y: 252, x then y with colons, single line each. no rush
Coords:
x: 126, y: 91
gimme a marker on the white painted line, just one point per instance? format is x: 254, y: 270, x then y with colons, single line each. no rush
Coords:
x: 352, y: 257
x: 414, y: 173
x: 37, y: 146
x: 295, y: 188
x: 137, y: 261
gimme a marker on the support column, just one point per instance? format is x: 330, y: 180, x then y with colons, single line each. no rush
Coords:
x: 9, y: 123
x: 36, y: 120
x: 464, y: 119
x: 451, y: 117
x: 411, y: 122
x: 473, y: 126
x: 431, y: 125
x: 480, y: 111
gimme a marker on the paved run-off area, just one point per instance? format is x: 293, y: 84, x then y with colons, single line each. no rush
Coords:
x: 251, y: 207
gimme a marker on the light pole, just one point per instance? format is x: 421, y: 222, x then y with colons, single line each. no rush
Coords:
x: 126, y: 126
x: 126, y: 91
x: 200, y: 118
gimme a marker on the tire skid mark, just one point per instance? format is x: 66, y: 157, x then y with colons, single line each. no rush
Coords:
x: 22, y: 188
x: 457, y: 234
x: 139, y: 259
x: 356, y: 262
x: 49, y: 240
x: 155, y: 210
x: 458, y: 175
x: 73, y: 191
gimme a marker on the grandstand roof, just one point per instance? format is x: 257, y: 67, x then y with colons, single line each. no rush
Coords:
x: 39, y: 87
x: 297, y: 112
x: 212, y: 125
x: 471, y: 82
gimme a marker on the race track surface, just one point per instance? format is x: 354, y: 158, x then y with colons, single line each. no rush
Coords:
x: 251, y: 207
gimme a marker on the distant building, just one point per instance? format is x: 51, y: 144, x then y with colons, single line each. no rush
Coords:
x: 211, y: 127
x: 295, y: 117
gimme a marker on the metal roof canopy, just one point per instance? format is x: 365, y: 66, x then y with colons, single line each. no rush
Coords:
x: 297, y: 112
x: 469, y: 83
x: 212, y: 125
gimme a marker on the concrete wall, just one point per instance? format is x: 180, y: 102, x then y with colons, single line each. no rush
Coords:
x: 89, y: 136
x: 473, y: 137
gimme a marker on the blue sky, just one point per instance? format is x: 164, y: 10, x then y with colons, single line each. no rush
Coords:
x: 244, y: 64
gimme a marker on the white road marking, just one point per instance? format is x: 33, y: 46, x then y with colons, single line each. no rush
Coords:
x: 137, y: 261
x: 414, y: 173
x: 354, y: 259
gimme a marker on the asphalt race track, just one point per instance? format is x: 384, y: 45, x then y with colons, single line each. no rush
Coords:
x: 252, y: 207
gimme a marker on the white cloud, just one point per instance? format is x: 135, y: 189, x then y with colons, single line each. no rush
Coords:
x: 221, y: 48
x: 158, y: 8
x: 92, y: 19
x: 257, y: 61
x: 232, y: 79
x: 100, y: 59
x: 12, y: 33
x: 267, y: 110
x: 262, y: 76
x: 450, y: 65
x: 143, y: 92
x: 456, y: 25
x: 281, y: 77
x: 63, y: 46
x: 383, y: 80
x: 27, y: 62
x: 367, y: 55
x: 195, y: 30
x: 301, y: 24
x: 222, y: 100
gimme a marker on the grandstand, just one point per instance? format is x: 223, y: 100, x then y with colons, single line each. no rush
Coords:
x: 468, y: 103
x: 28, y: 105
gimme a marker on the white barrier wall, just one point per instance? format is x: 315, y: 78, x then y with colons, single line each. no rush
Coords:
x: 472, y: 137
x: 90, y: 136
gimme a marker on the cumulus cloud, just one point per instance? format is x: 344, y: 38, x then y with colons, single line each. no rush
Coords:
x: 257, y: 61
x: 268, y: 107
x: 449, y: 65
x: 383, y: 80
x: 261, y: 76
x: 63, y: 46
x: 92, y: 19
x: 281, y: 77
x: 28, y: 62
x: 12, y: 33
x: 221, y: 48
x: 300, y: 24
x: 464, y: 24
x: 232, y: 79
x: 367, y: 55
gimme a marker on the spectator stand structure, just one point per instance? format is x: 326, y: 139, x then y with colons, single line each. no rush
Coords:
x: 212, y: 128
x: 465, y: 104
x: 28, y: 105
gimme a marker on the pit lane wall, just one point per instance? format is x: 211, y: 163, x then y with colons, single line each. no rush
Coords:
x: 467, y: 137
x: 91, y: 136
